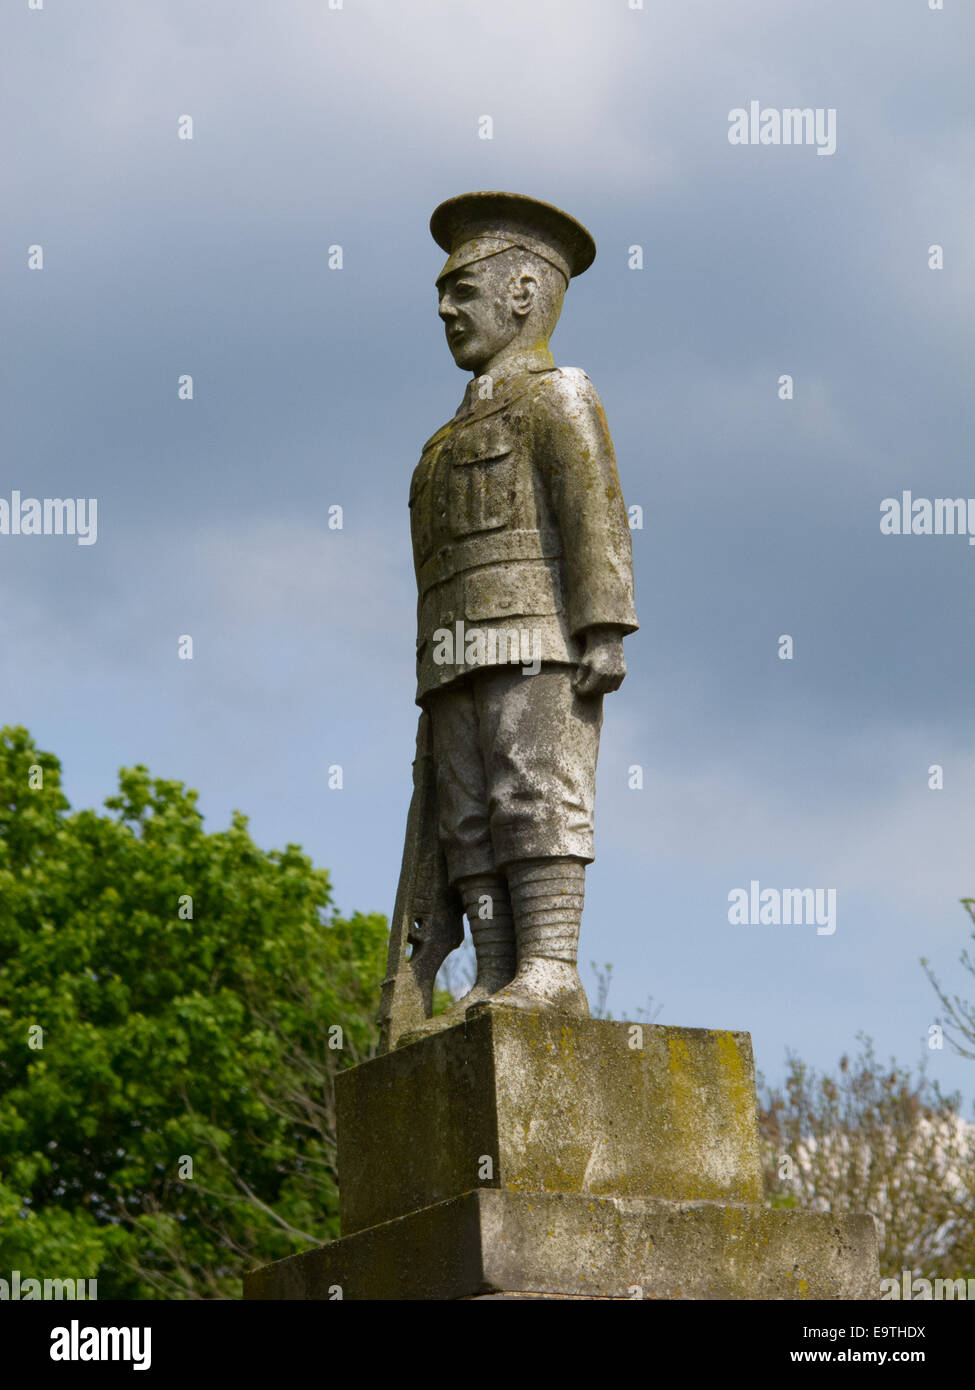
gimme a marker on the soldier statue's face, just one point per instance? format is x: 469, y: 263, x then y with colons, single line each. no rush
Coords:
x: 484, y: 307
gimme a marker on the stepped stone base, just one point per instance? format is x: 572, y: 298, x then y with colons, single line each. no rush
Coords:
x: 489, y: 1243
x: 521, y: 1155
x: 551, y: 1105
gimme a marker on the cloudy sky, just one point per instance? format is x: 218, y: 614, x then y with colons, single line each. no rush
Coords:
x: 314, y: 127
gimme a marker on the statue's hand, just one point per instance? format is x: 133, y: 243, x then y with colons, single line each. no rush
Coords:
x: 603, y: 664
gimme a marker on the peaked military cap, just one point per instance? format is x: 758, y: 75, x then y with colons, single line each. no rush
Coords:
x: 473, y: 226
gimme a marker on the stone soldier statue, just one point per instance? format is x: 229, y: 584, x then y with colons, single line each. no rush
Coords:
x: 525, y: 591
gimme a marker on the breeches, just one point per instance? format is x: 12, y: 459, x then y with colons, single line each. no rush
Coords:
x: 515, y: 760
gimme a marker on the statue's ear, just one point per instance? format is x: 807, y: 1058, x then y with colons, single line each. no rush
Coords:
x: 524, y: 294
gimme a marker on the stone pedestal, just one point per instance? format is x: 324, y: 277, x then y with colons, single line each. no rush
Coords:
x: 525, y: 1155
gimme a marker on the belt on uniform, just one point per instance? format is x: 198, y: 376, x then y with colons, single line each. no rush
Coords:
x: 485, y: 550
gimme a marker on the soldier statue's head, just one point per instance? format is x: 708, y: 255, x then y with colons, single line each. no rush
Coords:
x: 509, y: 261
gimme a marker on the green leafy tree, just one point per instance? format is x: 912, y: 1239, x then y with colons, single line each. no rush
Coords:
x: 174, y: 1006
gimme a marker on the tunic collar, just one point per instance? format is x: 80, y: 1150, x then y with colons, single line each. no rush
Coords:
x: 518, y: 364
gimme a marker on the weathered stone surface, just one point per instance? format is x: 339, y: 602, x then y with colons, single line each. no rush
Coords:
x: 524, y: 570
x: 555, y: 1105
x: 488, y: 1243
x: 521, y: 1155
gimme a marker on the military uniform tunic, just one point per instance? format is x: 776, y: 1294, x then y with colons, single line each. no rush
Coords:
x: 518, y: 525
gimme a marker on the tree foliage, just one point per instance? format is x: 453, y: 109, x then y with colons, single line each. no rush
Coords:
x: 874, y: 1139
x: 174, y: 1006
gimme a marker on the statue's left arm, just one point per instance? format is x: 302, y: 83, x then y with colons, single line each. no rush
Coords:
x: 576, y: 458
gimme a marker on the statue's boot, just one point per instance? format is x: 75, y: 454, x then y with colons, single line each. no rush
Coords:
x: 547, y: 897
x: 494, y: 946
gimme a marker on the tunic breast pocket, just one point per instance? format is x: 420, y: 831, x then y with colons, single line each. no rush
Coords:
x: 481, y: 493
